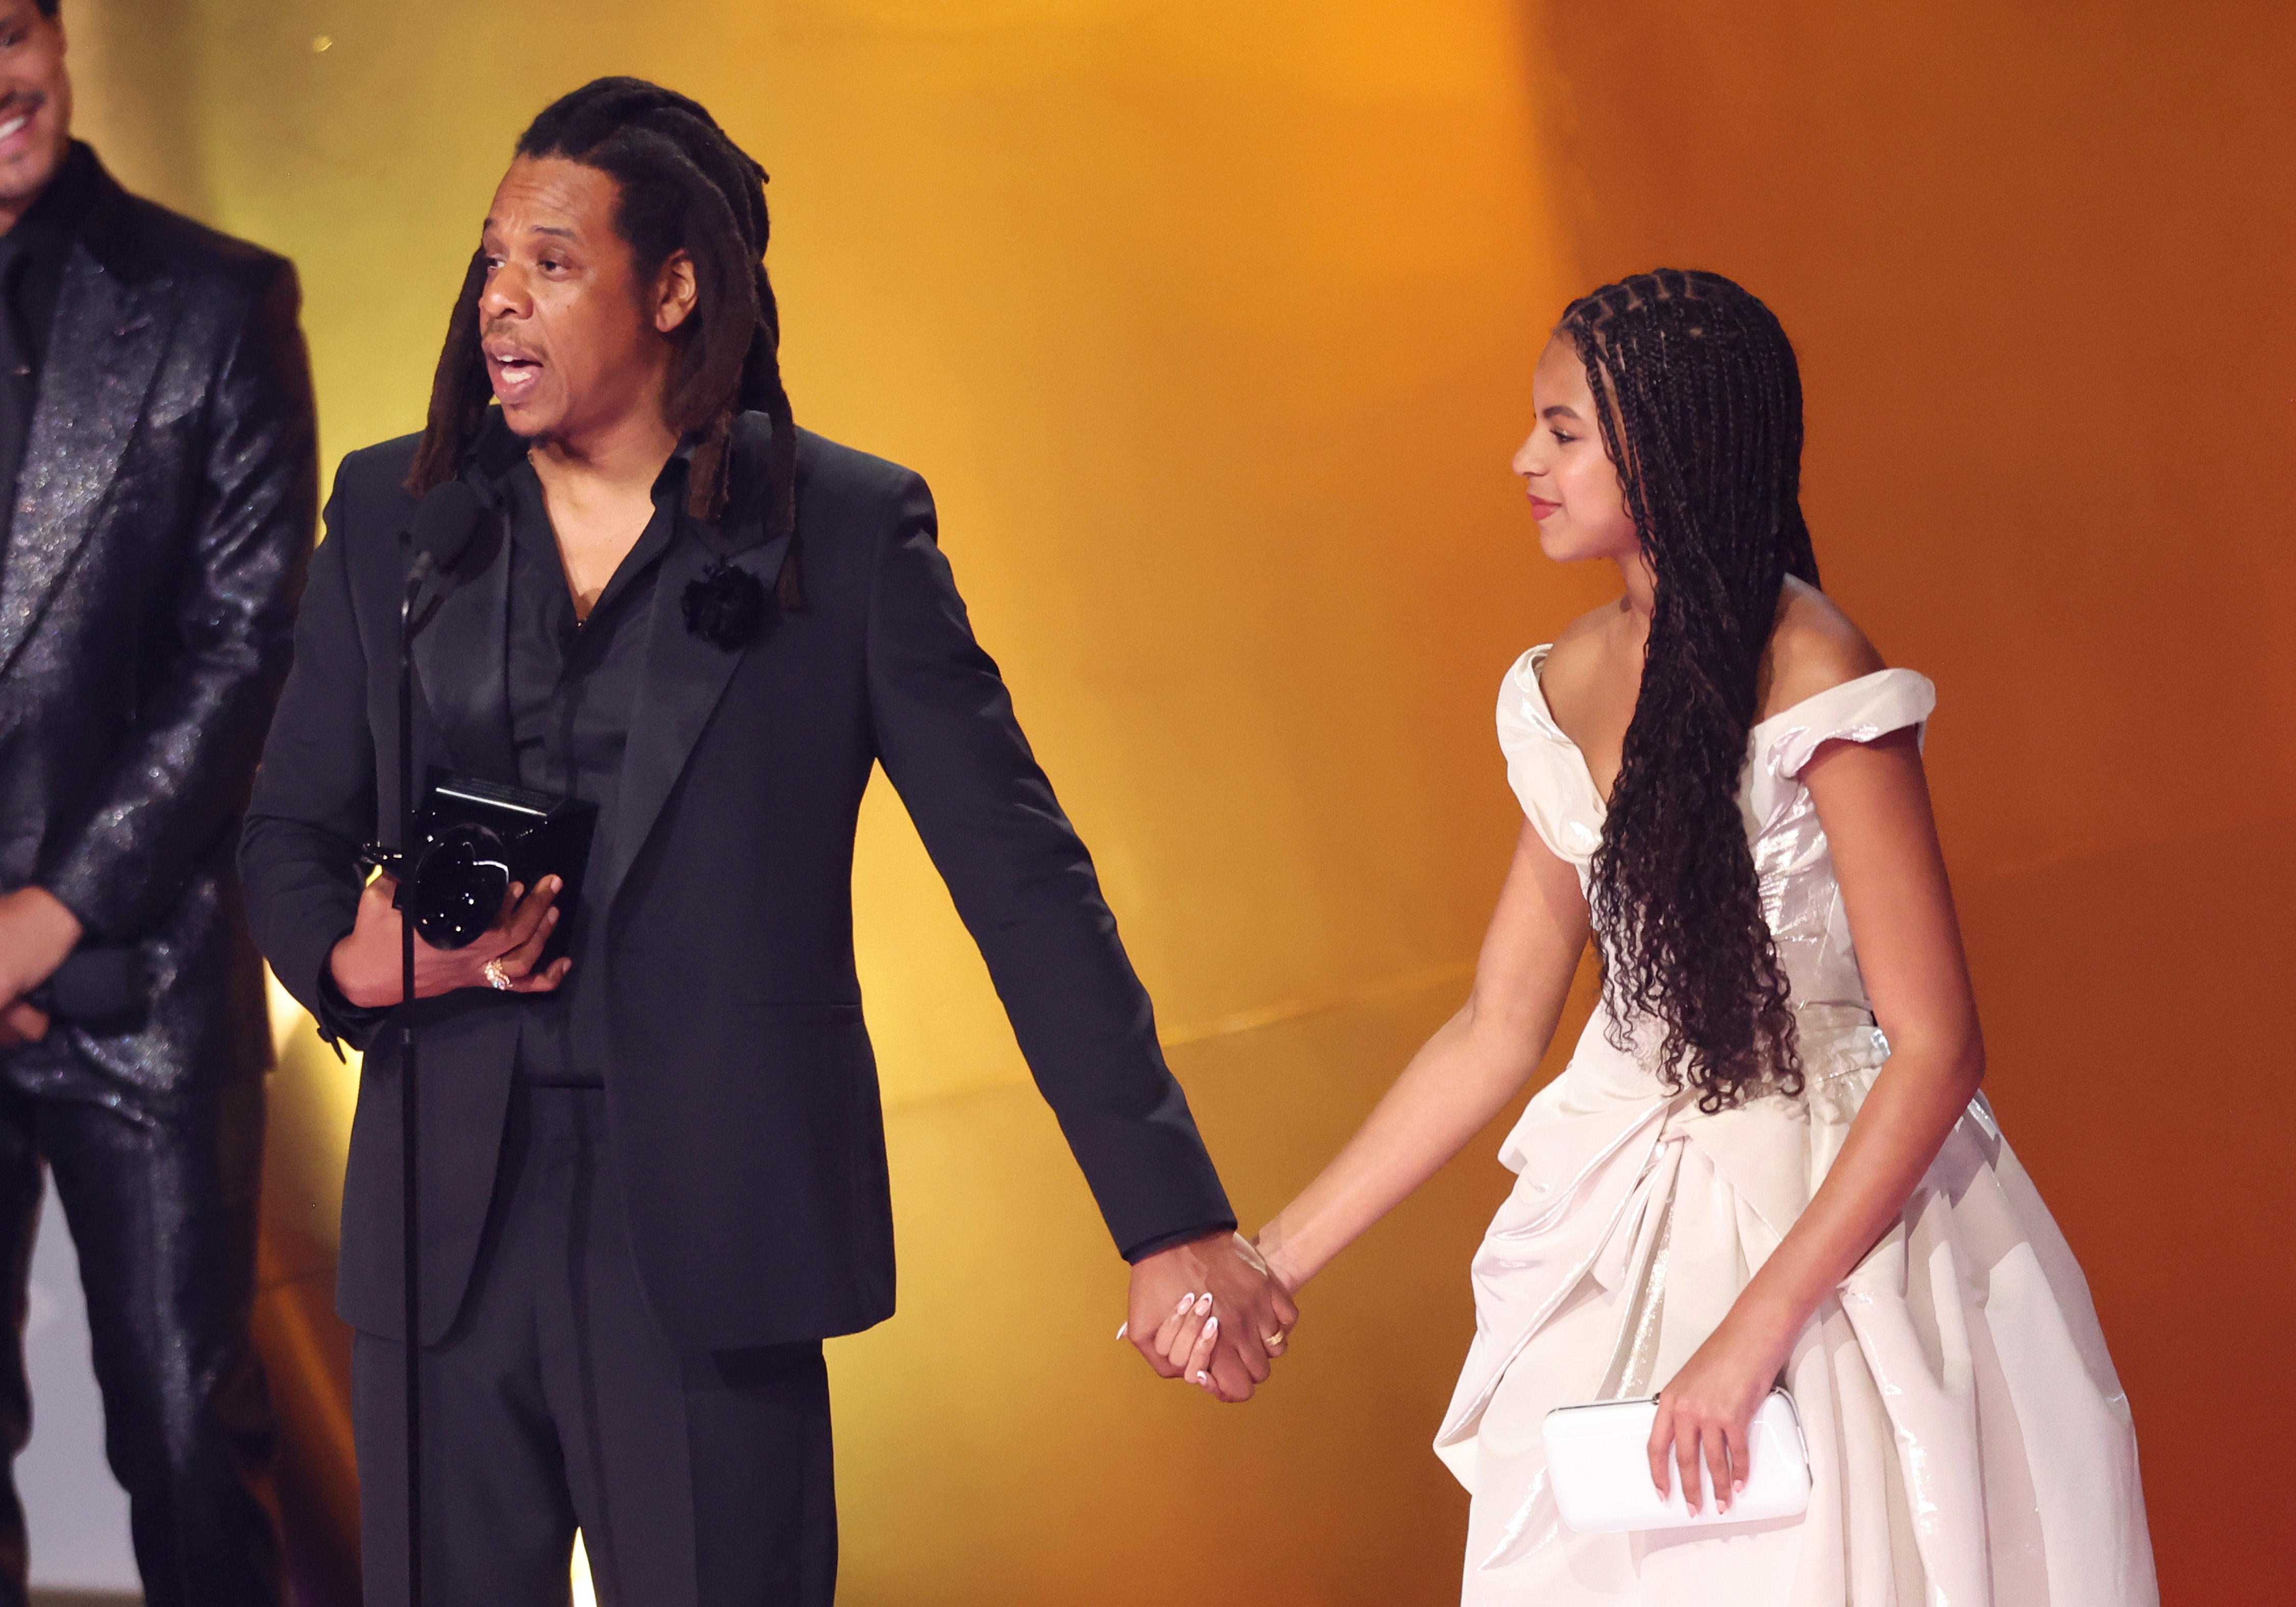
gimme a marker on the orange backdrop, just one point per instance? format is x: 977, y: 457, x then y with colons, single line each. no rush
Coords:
x: 1212, y: 326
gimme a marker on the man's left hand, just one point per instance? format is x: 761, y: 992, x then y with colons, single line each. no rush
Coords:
x: 1223, y: 1277
x: 36, y: 934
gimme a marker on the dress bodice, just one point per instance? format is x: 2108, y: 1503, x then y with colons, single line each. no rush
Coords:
x: 1800, y: 899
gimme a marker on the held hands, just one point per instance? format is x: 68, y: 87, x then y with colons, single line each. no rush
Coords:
x: 36, y: 934
x: 1210, y: 1312
x: 365, y: 963
x: 1706, y: 1412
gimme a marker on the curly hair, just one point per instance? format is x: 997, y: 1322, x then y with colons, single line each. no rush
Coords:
x: 1699, y: 400
x: 684, y: 186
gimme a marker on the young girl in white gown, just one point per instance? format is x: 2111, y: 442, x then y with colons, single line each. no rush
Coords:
x: 1768, y: 1158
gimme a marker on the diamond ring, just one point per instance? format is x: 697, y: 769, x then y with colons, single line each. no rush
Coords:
x: 496, y: 978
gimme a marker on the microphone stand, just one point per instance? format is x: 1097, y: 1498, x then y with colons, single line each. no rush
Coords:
x: 409, y: 1094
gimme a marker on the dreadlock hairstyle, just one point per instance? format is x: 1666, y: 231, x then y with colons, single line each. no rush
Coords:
x: 1700, y: 404
x: 684, y: 186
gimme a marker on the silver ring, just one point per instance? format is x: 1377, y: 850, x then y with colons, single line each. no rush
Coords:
x: 493, y: 972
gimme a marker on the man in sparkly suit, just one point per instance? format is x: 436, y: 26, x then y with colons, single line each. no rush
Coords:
x: 156, y: 430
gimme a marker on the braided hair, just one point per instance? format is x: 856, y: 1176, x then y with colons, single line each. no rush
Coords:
x: 1700, y: 403
x: 684, y: 186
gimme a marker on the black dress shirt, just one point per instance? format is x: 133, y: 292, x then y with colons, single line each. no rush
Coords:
x: 572, y: 684
x: 32, y: 258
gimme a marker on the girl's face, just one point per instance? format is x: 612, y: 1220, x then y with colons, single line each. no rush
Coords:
x: 1574, y: 489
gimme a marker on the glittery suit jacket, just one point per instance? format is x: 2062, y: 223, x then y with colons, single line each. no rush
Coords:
x: 748, y: 1141
x: 162, y: 525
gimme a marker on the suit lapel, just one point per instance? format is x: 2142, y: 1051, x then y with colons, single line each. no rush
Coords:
x: 462, y: 658
x: 683, y: 678
x: 108, y: 339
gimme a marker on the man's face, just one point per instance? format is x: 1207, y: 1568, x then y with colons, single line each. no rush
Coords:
x: 34, y: 103
x: 573, y: 343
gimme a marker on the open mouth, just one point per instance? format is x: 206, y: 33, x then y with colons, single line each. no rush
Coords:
x: 15, y: 122
x: 512, y: 370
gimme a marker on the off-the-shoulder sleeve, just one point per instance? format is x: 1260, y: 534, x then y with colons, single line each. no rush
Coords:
x: 1856, y: 711
x: 1545, y: 768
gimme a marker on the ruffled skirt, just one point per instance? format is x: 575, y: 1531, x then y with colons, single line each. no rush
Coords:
x: 1970, y: 1444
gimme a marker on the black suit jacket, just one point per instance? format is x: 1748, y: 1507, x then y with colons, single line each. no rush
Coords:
x: 747, y: 1136
x: 162, y: 523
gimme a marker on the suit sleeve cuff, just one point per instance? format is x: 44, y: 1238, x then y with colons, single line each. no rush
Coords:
x: 1163, y: 1242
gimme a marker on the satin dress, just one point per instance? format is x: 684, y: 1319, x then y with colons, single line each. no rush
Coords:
x: 1970, y: 1444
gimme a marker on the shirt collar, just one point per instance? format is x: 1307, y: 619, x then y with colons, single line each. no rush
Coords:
x: 498, y: 452
x: 508, y: 479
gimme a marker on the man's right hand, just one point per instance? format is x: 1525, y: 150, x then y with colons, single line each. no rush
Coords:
x: 365, y: 963
x: 21, y: 1023
x: 36, y: 933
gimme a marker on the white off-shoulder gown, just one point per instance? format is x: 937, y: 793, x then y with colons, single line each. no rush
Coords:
x: 1970, y: 1444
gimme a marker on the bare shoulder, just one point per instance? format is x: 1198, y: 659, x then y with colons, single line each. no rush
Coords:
x: 1579, y: 654
x: 1814, y: 648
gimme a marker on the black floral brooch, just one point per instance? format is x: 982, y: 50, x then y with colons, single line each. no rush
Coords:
x: 725, y: 606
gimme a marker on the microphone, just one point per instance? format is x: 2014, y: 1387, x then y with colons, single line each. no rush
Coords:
x: 445, y: 521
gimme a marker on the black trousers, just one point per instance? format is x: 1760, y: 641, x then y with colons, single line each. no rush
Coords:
x: 160, y: 1192
x: 698, y: 1480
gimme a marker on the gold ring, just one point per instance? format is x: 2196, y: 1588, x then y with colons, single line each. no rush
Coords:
x: 1274, y: 1339
x: 493, y: 972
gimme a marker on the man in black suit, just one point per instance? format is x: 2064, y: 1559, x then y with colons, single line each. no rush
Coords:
x: 653, y: 1167
x: 156, y: 433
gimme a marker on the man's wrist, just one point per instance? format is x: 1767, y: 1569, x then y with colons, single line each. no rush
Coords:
x: 353, y: 993
x: 361, y: 999
x: 1139, y: 1252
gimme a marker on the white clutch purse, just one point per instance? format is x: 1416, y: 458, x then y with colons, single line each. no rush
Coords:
x: 1598, y: 1467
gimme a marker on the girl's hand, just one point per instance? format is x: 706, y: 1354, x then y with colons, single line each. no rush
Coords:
x: 1706, y: 1412
x: 1186, y: 1339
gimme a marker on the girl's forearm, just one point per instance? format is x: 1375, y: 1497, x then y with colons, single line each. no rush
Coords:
x: 1919, y: 1095
x: 1454, y: 1085
x: 1461, y: 1076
